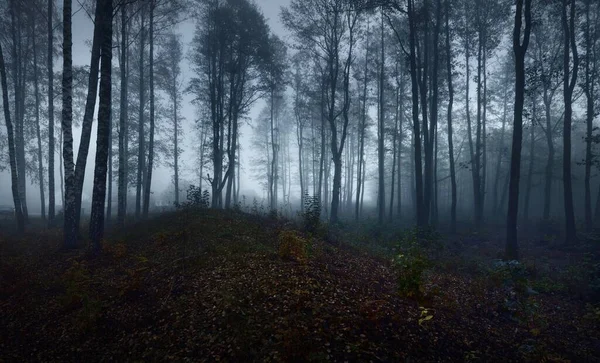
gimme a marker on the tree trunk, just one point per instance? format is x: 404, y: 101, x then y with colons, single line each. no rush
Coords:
x: 88, y: 118
x: 104, y: 115
x: 69, y: 209
x: 418, y: 180
x: 11, y: 147
x: 531, y: 162
x: 381, y: 132
x: 148, y: 179
x: 519, y: 49
x: 450, y: 133
x: 50, y: 50
x: 570, y: 82
x: 37, y: 121
x: 141, y: 137
x: 123, y: 127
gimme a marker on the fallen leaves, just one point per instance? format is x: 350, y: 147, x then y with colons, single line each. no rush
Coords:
x: 240, y: 303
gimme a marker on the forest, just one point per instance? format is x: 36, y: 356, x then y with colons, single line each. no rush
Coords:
x: 300, y: 180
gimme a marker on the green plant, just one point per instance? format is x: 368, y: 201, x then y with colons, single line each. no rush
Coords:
x: 411, y: 262
x: 511, y: 274
x: 311, y: 216
x: 196, y: 198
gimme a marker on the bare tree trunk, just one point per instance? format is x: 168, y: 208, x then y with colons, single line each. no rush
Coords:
x: 420, y: 210
x: 570, y: 81
x: 176, y: 146
x: 88, y: 118
x: 496, y: 207
x: 141, y: 137
x: 123, y: 127
x: 69, y: 209
x: 104, y: 115
x: 148, y: 179
x: 50, y: 50
x: 37, y: 121
x: 381, y: 132
x: 362, y: 130
x: 589, y: 90
x: 519, y: 49
x: 11, y: 147
x: 19, y: 89
x: 531, y: 162
x: 450, y: 132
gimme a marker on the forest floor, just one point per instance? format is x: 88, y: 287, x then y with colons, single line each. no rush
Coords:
x: 211, y: 286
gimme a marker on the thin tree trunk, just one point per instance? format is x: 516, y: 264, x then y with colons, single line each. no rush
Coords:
x: 123, y: 127
x: 381, y: 132
x: 570, y: 82
x: 37, y: 121
x: 11, y: 147
x: 141, y: 137
x: 148, y: 179
x: 450, y: 132
x: 50, y: 65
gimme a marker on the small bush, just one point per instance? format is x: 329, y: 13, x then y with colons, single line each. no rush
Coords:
x: 511, y: 274
x: 196, y: 198
x: 293, y: 246
x: 411, y: 262
x: 311, y: 216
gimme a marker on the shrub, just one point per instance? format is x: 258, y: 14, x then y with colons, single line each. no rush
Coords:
x: 411, y: 262
x: 511, y: 274
x: 293, y: 246
x: 311, y: 216
x: 196, y: 198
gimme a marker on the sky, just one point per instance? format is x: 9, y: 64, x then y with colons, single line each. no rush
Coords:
x: 82, y: 35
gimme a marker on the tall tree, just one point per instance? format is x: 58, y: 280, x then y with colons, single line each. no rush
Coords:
x: 449, y: 70
x: 520, y: 49
x: 381, y: 129
x: 104, y: 112
x: 123, y: 115
x: 150, y: 167
x: 11, y: 146
x: 51, y: 152
x: 70, y: 222
x: 569, y: 83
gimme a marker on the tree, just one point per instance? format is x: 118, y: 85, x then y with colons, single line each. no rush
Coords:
x: 569, y: 82
x: 11, y: 146
x: 231, y: 51
x: 150, y: 167
x: 381, y: 130
x: 591, y: 33
x: 170, y: 80
x: 51, y: 187
x: 70, y: 222
x: 450, y: 132
x: 123, y: 115
x: 520, y: 50
x: 104, y: 115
